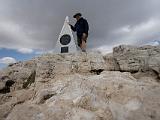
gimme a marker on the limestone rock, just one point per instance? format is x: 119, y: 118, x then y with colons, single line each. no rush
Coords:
x: 5, y: 110
x: 111, y: 95
x: 18, y: 73
x: 111, y: 63
x: 104, y: 114
x: 2, y: 85
x: 134, y: 59
x: 85, y: 86
x: 26, y: 112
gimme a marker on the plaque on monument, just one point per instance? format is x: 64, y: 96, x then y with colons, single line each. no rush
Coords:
x: 64, y: 49
x: 65, y: 39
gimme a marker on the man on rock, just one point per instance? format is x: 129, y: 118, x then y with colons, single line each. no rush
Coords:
x: 82, y: 28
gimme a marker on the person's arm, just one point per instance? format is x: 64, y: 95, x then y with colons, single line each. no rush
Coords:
x: 86, y: 26
x: 73, y: 27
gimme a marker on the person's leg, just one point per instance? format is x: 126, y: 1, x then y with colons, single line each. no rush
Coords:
x: 83, y: 44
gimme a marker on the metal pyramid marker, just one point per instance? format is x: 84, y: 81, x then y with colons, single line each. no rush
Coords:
x: 66, y: 42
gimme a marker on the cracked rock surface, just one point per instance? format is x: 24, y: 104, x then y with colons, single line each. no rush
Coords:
x: 81, y: 86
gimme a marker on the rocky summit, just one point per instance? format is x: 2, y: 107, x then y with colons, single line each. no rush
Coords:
x: 123, y: 85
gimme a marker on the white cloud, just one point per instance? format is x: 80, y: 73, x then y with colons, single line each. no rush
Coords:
x: 124, y: 29
x: 28, y: 25
x: 25, y: 50
x: 44, y: 52
x: 104, y: 49
x: 14, y: 30
x: 153, y: 43
x: 7, y: 60
x: 13, y: 35
x: 138, y: 34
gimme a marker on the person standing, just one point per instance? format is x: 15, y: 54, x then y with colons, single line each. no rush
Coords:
x: 81, y: 28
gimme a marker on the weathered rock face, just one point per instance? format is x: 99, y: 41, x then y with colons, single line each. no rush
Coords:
x: 135, y: 59
x: 111, y: 63
x: 81, y: 86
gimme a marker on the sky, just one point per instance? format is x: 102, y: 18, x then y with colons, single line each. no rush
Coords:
x: 30, y: 27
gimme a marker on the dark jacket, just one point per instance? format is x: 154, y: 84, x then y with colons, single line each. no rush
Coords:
x: 81, y: 27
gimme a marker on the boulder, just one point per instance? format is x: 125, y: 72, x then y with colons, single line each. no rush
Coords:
x: 88, y: 86
x: 111, y: 63
x: 134, y: 59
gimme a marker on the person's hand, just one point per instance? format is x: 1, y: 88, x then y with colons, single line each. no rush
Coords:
x: 68, y: 23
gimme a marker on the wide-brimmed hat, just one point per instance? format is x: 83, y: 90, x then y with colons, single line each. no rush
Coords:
x: 77, y: 14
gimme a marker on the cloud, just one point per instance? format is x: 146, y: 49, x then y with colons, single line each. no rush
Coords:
x: 104, y: 49
x: 25, y: 50
x: 138, y: 34
x: 154, y: 43
x: 36, y: 24
x: 7, y: 60
x: 14, y: 36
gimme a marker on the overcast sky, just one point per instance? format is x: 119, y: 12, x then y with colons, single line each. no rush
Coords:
x: 36, y: 24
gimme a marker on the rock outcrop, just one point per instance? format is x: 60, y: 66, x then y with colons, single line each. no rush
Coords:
x: 123, y: 85
x: 134, y: 59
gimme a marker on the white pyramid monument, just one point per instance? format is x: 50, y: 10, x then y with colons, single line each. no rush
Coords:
x: 66, y: 42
